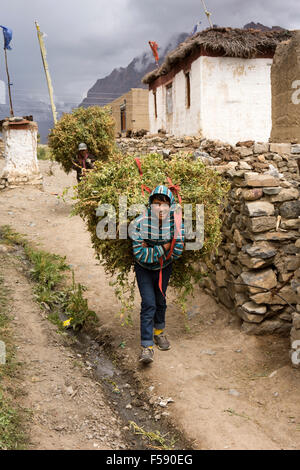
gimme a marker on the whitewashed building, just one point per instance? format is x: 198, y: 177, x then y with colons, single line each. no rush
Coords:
x: 20, y: 151
x: 216, y: 84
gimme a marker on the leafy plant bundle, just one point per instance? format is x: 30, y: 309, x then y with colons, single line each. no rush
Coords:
x: 119, y: 176
x: 94, y: 126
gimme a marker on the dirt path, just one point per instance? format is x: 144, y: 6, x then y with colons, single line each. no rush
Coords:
x: 230, y: 391
x: 69, y: 409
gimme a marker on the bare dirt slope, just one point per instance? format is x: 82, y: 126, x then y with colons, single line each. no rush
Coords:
x: 230, y: 391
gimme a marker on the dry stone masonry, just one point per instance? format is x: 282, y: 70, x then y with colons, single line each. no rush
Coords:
x: 257, y: 268
x: 256, y: 273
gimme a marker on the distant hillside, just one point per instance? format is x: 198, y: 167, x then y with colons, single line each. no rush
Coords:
x: 262, y: 27
x: 40, y: 110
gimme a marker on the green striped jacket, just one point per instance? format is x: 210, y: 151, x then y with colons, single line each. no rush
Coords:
x: 147, y: 229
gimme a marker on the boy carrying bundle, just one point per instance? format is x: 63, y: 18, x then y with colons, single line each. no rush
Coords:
x: 157, y: 242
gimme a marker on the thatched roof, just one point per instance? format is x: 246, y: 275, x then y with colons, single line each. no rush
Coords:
x: 230, y: 42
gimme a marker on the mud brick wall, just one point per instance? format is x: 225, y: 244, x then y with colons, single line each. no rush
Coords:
x: 285, y: 73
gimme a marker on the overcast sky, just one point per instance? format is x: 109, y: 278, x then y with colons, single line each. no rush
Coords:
x: 87, y: 39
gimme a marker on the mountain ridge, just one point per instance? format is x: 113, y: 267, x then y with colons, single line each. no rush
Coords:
x: 122, y: 79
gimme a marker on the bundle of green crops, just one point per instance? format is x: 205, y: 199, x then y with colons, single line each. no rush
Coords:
x: 120, y: 177
x: 94, y: 126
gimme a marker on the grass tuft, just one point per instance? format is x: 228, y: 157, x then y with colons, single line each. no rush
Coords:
x: 52, y: 292
x: 153, y: 437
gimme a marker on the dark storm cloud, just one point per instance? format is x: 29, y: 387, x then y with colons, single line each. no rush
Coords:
x: 86, y: 40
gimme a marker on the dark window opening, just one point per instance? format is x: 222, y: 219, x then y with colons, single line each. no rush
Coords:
x: 188, y: 89
x: 155, y: 103
x: 169, y: 98
x: 123, y: 118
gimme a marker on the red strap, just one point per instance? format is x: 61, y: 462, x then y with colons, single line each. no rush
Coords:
x: 143, y: 186
x: 174, y: 188
x: 161, y: 262
x: 177, y: 234
x: 137, y: 161
x: 178, y: 223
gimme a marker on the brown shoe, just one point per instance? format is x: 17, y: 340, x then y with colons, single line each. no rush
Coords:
x: 162, y: 342
x: 146, y: 355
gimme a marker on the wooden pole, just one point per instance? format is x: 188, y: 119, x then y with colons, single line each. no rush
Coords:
x: 46, y: 68
x: 208, y: 14
x: 8, y: 83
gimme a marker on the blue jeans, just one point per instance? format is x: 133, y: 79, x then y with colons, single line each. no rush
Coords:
x: 153, y: 306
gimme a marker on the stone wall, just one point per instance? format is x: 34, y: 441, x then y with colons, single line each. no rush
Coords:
x: 20, y: 151
x: 252, y: 156
x: 256, y: 273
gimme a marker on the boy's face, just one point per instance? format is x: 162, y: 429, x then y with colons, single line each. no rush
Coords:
x: 160, y: 209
